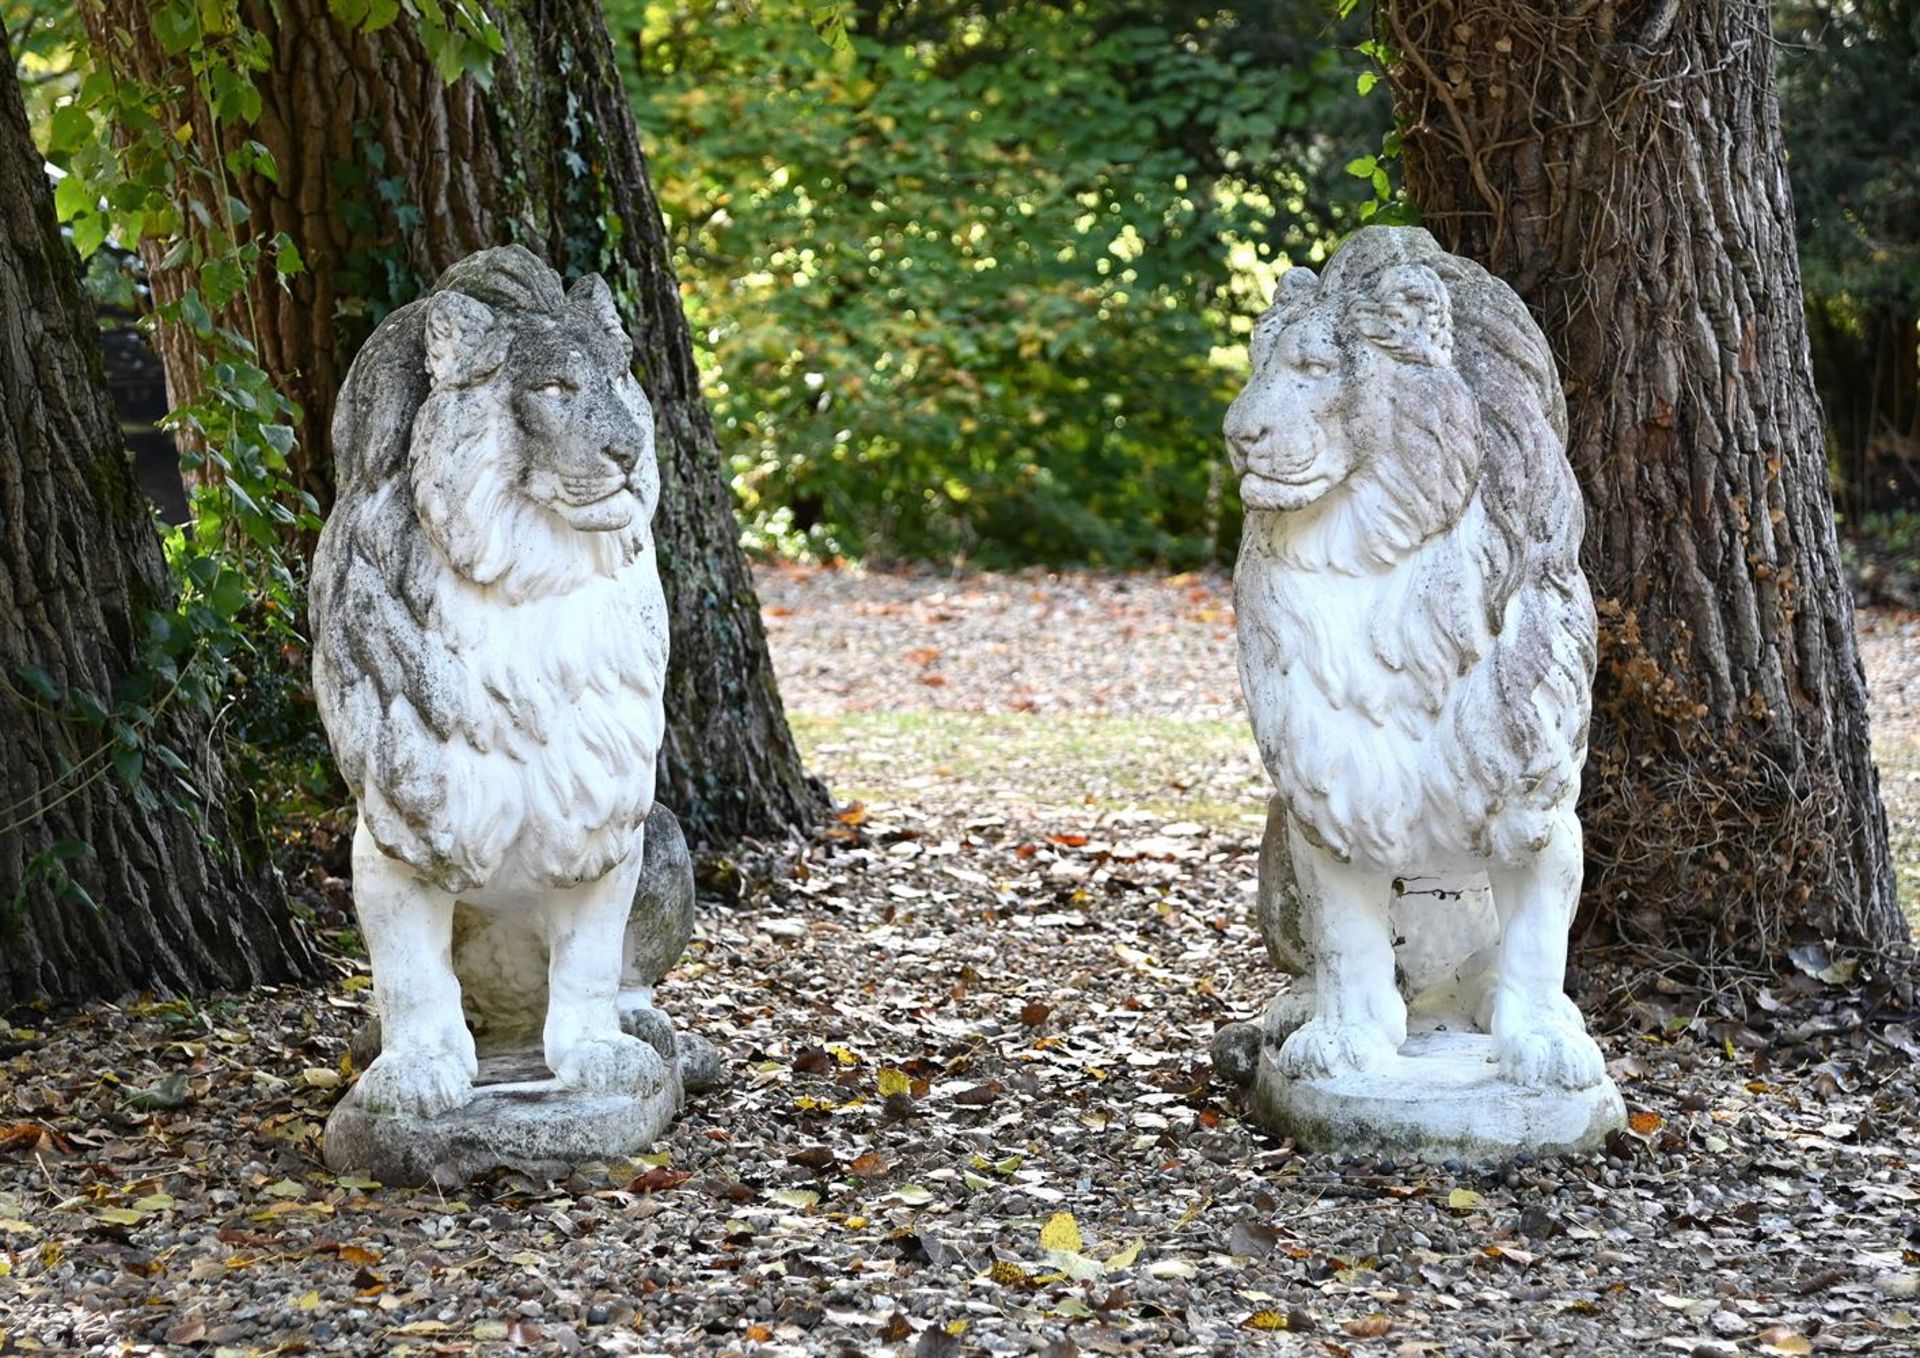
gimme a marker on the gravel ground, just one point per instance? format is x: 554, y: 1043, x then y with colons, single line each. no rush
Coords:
x: 969, y: 1110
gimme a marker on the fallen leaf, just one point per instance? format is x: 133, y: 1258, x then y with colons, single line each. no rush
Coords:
x: 1062, y: 1233
x: 659, y: 1178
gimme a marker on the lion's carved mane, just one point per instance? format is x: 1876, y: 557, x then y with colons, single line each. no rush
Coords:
x: 490, y: 677
x: 1417, y: 643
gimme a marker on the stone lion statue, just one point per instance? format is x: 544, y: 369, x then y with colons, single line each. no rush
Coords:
x: 1417, y: 652
x: 490, y: 645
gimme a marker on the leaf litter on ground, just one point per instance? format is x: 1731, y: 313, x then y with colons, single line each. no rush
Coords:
x: 969, y: 1112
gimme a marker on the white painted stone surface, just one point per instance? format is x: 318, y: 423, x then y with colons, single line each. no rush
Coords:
x: 490, y: 645
x: 1416, y: 648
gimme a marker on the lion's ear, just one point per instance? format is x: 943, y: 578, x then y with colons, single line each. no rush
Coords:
x: 1409, y: 315
x: 591, y: 296
x: 1295, y: 285
x: 462, y: 345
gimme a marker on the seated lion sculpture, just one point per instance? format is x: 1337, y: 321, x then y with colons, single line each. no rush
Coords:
x: 489, y: 653
x: 1417, y: 652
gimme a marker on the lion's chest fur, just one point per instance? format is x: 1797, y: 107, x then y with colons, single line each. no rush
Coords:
x: 494, y: 743
x: 1376, y: 698
x: 552, y: 769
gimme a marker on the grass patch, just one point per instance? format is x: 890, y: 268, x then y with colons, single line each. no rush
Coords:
x: 1204, y: 771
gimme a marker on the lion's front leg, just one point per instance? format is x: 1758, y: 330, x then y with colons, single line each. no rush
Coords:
x: 426, y: 1063
x: 1359, y: 1019
x: 1538, y: 1034
x: 586, y: 933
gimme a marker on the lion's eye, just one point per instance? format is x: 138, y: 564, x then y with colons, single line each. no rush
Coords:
x: 1314, y: 367
x: 558, y: 386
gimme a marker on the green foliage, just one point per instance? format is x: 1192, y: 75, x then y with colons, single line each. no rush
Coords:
x: 460, y: 37
x: 133, y: 170
x: 1850, y: 105
x: 1850, y: 110
x: 975, y: 282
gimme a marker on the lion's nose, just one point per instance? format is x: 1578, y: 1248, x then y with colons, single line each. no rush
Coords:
x: 1245, y: 436
x: 623, y: 453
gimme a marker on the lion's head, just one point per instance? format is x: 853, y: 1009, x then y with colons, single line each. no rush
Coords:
x: 1385, y: 391
x: 510, y: 406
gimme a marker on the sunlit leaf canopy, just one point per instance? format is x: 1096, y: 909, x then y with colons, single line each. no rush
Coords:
x: 976, y: 280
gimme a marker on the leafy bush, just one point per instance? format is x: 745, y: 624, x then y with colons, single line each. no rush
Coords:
x: 977, y: 284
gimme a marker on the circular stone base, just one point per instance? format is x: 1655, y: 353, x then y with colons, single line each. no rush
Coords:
x: 1441, y: 1098
x: 520, y: 1117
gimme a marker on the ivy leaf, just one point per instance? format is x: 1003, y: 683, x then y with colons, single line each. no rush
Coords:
x: 194, y: 312
x: 129, y: 764
x: 177, y: 27
x: 229, y: 594
x: 73, y: 196
x: 1362, y: 167
x: 89, y: 233
x: 70, y: 129
x: 1365, y: 82
x: 36, y: 678
x: 286, y: 256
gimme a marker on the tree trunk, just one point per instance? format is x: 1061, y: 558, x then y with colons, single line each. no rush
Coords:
x: 1620, y: 164
x: 165, y: 899
x: 387, y: 176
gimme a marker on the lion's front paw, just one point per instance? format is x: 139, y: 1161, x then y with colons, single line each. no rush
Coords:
x: 1545, y: 1046
x: 420, y: 1084
x: 1288, y: 1011
x: 1321, y: 1047
x: 614, y: 1064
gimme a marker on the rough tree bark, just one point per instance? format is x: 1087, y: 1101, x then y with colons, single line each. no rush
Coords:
x: 1620, y: 163
x: 178, y: 905
x: 386, y: 177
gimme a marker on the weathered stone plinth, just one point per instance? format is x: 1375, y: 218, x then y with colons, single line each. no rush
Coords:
x: 1441, y: 1098
x: 519, y: 1117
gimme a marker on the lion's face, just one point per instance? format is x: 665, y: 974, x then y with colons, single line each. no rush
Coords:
x: 1339, y: 365
x: 534, y: 432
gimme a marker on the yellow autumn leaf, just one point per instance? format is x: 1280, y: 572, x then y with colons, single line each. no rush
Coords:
x: 1266, y: 1320
x: 308, y: 1302
x: 1127, y: 1257
x: 119, y: 1216
x: 893, y: 1082
x: 1007, y: 1273
x: 1463, y: 1200
x: 1061, y: 1232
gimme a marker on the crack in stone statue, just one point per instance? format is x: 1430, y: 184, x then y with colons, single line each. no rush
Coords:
x: 1416, y: 648
x: 490, y: 646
